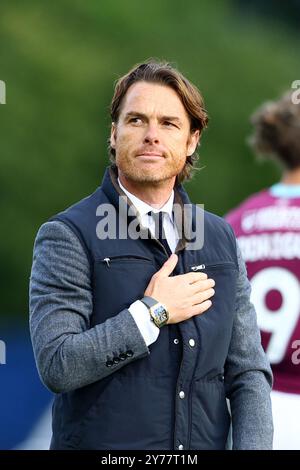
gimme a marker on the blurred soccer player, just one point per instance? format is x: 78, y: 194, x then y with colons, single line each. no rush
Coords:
x: 267, y: 226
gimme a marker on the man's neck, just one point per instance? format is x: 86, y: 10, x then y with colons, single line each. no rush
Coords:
x: 291, y: 177
x: 154, y: 194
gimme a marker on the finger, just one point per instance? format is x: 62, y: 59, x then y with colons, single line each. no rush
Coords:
x: 200, y: 308
x: 202, y: 296
x: 200, y: 286
x: 168, y: 267
x: 193, y: 277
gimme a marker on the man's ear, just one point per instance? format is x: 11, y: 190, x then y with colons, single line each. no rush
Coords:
x: 113, y: 135
x: 193, y: 142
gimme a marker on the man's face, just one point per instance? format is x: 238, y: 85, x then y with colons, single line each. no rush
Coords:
x: 152, y: 137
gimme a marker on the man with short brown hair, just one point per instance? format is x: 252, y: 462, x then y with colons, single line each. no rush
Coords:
x: 140, y: 315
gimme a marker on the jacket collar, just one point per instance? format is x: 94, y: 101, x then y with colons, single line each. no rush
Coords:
x: 112, y: 190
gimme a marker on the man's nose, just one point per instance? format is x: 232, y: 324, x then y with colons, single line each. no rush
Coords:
x: 151, y: 135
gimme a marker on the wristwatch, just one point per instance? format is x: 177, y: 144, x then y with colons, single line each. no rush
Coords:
x: 158, y: 312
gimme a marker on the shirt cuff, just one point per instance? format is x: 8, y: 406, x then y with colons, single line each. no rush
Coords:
x: 142, y: 318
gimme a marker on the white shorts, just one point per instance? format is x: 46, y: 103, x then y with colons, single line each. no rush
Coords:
x: 286, y: 416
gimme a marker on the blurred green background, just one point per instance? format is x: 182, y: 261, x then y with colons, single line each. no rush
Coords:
x: 59, y: 61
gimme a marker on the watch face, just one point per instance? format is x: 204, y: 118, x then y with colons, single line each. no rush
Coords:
x: 160, y: 314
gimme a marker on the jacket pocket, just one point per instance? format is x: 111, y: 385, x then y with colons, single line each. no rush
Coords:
x: 118, y: 281
x: 215, y: 325
x: 210, y: 418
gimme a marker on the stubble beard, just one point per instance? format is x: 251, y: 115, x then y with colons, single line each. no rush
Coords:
x: 144, y: 175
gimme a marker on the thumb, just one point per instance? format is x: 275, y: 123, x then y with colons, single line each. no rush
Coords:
x: 168, y: 266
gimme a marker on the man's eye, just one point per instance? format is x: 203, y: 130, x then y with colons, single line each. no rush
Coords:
x: 135, y: 120
x: 169, y: 124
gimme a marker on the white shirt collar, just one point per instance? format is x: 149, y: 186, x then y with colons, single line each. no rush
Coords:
x: 143, y: 208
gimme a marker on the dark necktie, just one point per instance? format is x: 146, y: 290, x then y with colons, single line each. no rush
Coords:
x: 160, y: 235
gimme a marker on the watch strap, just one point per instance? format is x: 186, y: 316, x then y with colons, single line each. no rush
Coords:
x: 149, y: 301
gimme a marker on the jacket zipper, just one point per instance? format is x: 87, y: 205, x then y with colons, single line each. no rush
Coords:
x: 200, y: 267
x: 110, y: 259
